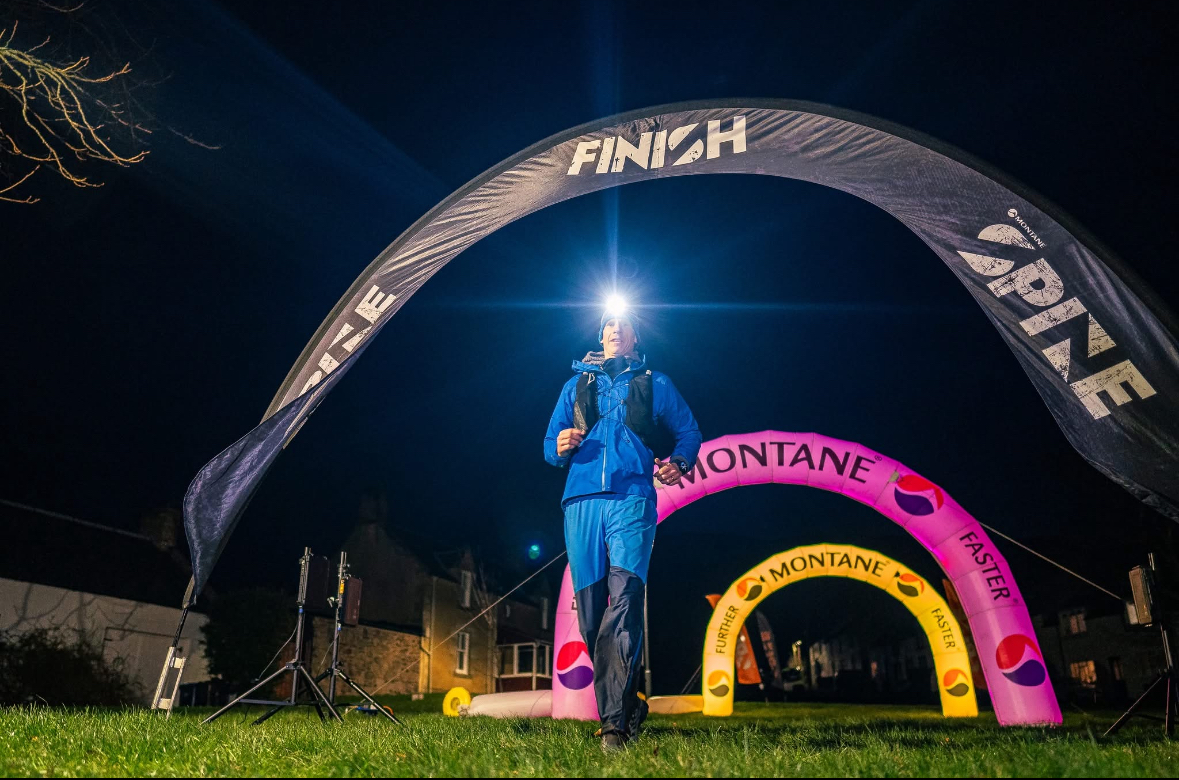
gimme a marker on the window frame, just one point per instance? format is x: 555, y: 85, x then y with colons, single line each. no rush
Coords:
x: 462, y: 661
x: 544, y: 653
x: 1074, y: 623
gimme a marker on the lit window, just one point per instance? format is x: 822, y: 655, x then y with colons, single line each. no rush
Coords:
x: 464, y: 648
x: 1084, y: 672
x: 1075, y: 623
x: 544, y: 613
x: 466, y: 585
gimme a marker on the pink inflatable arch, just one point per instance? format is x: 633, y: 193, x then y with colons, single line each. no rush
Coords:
x: 1017, y: 678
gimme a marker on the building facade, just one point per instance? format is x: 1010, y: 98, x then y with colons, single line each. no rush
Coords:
x: 430, y: 621
x: 134, y: 636
x: 1095, y: 657
x: 525, y: 642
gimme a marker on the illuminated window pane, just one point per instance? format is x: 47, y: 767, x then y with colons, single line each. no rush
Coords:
x: 1084, y: 672
x: 464, y: 647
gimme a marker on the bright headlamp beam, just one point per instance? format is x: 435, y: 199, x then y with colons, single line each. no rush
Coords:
x: 616, y: 306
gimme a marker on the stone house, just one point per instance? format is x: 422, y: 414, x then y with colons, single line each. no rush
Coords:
x: 421, y: 628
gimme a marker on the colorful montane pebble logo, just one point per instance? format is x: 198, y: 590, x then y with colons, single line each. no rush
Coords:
x: 917, y: 495
x: 749, y: 588
x: 955, y: 683
x: 910, y: 584
x: 719, y: 683
x: 1010, y: 655
x: 574, y: 673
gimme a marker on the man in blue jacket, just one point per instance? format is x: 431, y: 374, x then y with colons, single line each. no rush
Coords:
x: 615, y: 423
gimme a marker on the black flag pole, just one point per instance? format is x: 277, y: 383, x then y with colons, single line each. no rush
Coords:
x: 173, y: 661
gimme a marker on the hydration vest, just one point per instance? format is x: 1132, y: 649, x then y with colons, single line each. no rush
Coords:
x: 640, y: 411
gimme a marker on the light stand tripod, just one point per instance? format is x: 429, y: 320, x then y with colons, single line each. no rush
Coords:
x: 295, y: 666
x: 336, y: 670
x: 1167, y: 677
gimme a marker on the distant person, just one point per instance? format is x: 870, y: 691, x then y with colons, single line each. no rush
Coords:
x: 614, y: 423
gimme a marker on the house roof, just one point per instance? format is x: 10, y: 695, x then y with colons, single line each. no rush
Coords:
x: 53, y: 549
x: 444, y: 560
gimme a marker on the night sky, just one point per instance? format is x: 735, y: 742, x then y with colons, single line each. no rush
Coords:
x: 150, y: 322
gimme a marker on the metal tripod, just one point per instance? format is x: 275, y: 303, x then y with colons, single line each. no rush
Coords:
x: 1166, y: 678
x: 336, y: 670
x: 296, y: 667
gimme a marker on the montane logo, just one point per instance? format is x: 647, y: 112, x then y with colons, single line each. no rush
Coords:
x: 1026, y: 228
x: 612, y: 155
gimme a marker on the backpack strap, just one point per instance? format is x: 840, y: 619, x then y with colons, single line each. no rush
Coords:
x: 585, y: 402
x: 640, y: 416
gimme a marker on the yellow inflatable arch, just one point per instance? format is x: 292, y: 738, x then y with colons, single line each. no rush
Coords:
x: 950, y: 658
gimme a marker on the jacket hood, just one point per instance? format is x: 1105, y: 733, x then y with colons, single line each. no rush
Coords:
x: 593, y: 361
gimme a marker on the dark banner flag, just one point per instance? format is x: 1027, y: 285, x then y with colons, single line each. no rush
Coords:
x: 1099, y: 348
x: 769, y: 649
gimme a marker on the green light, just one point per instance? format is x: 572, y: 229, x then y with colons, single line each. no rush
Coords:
x: 534, y: 552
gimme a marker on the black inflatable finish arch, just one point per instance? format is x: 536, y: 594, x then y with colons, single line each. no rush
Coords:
x: 1101, y: 352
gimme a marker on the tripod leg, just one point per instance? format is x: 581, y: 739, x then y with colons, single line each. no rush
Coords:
x: 1172, y: 704
x: 1130, y: 712
x: 320, y: 698
x: 245, y: 695
x: 269, y: 714
x: 367, y: 698
x: 314, y: 700
x: 274, y: 710
x: 319, y: 710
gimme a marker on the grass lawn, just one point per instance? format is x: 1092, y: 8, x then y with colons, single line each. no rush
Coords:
x: 759, y: 740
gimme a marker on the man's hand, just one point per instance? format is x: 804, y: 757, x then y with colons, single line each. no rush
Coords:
x: 568, y: 440
x: 668, y: 473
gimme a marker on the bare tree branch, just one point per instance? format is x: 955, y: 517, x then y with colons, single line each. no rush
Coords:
x: 68, y: 99
x: 60, y: 118
x: 10, y: 187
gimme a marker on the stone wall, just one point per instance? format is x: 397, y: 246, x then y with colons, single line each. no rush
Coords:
x: 369, y: 655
